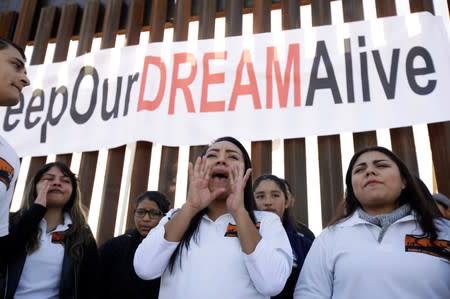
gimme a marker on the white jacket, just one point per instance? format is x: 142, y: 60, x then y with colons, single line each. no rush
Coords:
x: 10, y: 166
x: 215, y: 266
x: 346, y: 261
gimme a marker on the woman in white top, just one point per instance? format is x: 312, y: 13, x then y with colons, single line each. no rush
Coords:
x: 386, y: 242
x: 216, y: 245
x: 52, y: 252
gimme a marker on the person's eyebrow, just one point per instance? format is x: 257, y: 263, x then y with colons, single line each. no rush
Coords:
x: 48, y: 175
x: 360, y: 164
x: 19, y: 61
x: 228, y: 151
x: 381, y: 160
x: 374, y: 161
x: 232, y: 151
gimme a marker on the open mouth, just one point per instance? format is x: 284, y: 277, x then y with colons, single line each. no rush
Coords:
x: 220, y: 175
x: 55, y: 191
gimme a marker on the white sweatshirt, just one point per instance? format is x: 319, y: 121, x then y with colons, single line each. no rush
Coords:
x: 215, y: 266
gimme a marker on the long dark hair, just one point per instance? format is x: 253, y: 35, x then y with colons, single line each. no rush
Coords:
x: 287, y: 218
x: 411, y: 194
x: 249, y: 203
x: 79, y: 231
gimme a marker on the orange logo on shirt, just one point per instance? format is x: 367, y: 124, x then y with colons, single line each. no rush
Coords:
x: 57, y: 237
x: 232, y: 229
x: 6, y: 172
x: 424, y: 244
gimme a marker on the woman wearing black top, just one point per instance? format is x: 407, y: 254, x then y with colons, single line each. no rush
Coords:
x: 117, y: 275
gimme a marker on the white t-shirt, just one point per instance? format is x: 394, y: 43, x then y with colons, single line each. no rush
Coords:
x: 347, y: 261
x: 215, y: 266
x: 9, y: 171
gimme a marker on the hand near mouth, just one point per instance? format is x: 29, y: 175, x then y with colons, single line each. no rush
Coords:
x: 235, y: 200
x: 199, y: 195
x: 41, y: 198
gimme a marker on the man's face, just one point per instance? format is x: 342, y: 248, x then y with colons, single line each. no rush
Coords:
x: 13, y: 76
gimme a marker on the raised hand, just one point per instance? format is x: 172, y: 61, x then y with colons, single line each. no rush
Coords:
x: 199, y: 195
x: 238, y: 180
x: 41, y: 198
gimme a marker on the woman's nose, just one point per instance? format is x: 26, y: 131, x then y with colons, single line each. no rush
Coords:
x: 369, y: 171
x: 220, y: 159
x: 268, y: 201
x: 55, y: 182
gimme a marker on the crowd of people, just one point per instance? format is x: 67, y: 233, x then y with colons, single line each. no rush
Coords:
x: 234, y: 237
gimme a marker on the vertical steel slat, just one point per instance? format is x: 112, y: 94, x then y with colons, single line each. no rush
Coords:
x: 63, y: 36
x: 42, y: 38
x: 261, y: 151
x: 295, y: 149
x: 116, y: 156
x: 439, y: 133
x: 353, y: 11
x: 169, y: 154
x: 88, y: 163
x: 142, y: 155
x: 330, y: 164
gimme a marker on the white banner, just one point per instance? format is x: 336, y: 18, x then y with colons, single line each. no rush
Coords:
x: 352, y: 77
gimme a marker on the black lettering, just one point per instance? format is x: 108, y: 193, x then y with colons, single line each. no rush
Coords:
x: 131, y: 80
x: 349, y: 71
x: 53, y: 120
x: 78, y: 117
x: 39, y: 97
x: 322, y: 83
x: 412, y: 72
x: 11, y: 110
x: 388, y: 85
x: 115, y: 110
x: 364, y: 71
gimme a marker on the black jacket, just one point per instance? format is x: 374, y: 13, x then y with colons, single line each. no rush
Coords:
x: 78, y: 277
x: 117, y: 275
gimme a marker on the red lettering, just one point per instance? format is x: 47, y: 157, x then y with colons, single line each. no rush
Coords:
x: 182, y: 83
x: 292, y: 64
x: 208, y: 78
x: 242, y: 89
x: 152, y: 104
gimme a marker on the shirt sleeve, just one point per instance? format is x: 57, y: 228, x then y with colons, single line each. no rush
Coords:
x: 4, y: 210
x: 152, y: 255
x: 270, y: 264
x: 10, y: 166
x: 316, y: 276
x: 6, y: 196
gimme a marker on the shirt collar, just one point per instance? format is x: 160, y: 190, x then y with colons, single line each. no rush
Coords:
x: 60, y: 227
x: 354, y: 219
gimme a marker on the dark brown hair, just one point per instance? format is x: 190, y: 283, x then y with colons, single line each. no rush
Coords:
x: 411, y: 194
x: 6, y: 43
x: 79, y: 232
